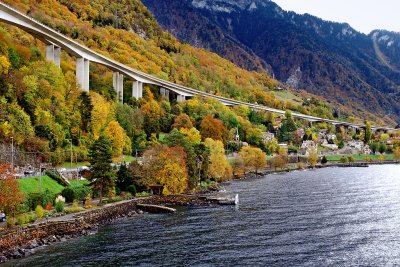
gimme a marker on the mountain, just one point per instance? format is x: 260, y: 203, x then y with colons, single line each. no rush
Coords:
x: 358, y: 71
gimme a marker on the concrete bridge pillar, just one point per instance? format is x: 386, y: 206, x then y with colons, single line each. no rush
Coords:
x: 180, y: 98
x: 137, y: 89
x: 53, y: 54
x: 118, y: 85
x: 164, y: 93
x: 82, y: 73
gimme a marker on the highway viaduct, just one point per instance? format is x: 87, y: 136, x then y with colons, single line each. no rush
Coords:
x: 55, y: 41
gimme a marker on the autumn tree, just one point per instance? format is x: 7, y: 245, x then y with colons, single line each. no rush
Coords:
x: 313, y: 157
x: 281, y: 158
x: 152, y: 116
x: 368, y: 132
x: 100, y: 157
x: 197, y: 155
x: 396, y: 153
x: 182, y: 121
x: 10, y: 194
x: 116, y: 134
x: 165, y: 166
x: 252, y: 158
x: 213, y: 128
x: 219, y: 169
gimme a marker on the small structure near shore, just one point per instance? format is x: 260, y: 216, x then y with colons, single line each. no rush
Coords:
x: 155, y: 208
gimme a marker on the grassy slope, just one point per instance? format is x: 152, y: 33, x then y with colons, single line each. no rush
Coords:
x: 359, y: 157
x: 32, y: 185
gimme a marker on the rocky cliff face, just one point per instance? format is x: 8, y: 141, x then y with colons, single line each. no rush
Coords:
x: 325, y: 58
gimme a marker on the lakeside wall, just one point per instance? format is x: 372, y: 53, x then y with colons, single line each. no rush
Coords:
x: 17, y: 242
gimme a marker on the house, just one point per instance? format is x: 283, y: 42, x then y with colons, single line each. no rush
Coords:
x: 330, y: 146
x: 306, y: 147
x: 268, y: 137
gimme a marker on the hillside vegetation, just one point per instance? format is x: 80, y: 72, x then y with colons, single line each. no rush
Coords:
x: 43, y: 110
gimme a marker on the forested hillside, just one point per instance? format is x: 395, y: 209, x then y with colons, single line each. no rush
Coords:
x: 355, y: 71
x: 43, y: 110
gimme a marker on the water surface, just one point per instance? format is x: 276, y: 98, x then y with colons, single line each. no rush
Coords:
x: 332, y: 216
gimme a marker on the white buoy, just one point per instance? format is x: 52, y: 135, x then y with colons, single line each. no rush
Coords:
x: 236, y: 199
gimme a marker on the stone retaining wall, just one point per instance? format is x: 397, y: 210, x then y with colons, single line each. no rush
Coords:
x: 18, y: 242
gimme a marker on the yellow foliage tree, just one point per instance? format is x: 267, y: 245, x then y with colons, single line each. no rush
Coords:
x: 219, y: 168
x: 116, y: 134
x: 4, y: 65
x: 281, y: 158
x: 102, y: 113
x: 165, y: 166
x: 252, y: 159
x: 396, y: 153
x: 193, y: 134
x: 313, y: 157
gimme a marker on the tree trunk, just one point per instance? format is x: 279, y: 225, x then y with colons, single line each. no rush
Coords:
x: 101, y: 192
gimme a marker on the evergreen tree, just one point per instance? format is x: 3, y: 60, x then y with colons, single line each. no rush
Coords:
x: 86, y: 108
x: 124, y: 178
x: 368, y: 132
x: 102, y: 175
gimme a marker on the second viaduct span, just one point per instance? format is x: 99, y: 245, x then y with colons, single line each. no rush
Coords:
x: 55, y: 41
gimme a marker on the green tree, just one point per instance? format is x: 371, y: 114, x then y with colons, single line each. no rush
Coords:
x: 368, y: 132
x: 124, y: 178
x: 382, y: 148
x: 86, y: 108
x: 100, y: 157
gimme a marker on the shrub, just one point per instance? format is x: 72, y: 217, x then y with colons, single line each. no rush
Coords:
x: 39, y: 212
x: 27, y: 218
x: 75, y: 204
x: 350, y: 159
x: 131, y: 189
x: 59, y: 206
x: 49, y: 206
x: 42, y: 199
x: 72, y: 193
x: 143, y: 194
x: 73, y: 210
x: 324, y: 160
x: 10, y: 222
x: 69, y: 194
x: 88, y: 202
x: 343, y: 160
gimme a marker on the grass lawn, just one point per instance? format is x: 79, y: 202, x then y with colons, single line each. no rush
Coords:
x: 358, y: 157
x: 78, y: 182
x: 127, y: 158
x: 32, y: 185
x: 287, y: 95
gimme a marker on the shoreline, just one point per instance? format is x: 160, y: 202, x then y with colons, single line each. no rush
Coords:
x: 23, y: 241
x: 20, y: 242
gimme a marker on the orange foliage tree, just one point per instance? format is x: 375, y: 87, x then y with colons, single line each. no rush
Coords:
x: 213, y: 128
x: 10, y: 194
x: 182, y: 121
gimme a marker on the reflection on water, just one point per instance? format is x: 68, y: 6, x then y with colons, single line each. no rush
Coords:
x: 332, y: 216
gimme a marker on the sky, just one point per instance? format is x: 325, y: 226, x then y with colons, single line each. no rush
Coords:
x: 362, y: 15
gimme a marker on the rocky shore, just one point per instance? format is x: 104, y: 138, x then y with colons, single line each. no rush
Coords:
x: 20, y: 242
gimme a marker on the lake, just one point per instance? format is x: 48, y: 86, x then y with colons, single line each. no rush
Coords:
x: 330, y: 216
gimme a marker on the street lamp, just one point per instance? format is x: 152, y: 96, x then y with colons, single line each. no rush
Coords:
x: 12, y: 152
x: 71, y: 153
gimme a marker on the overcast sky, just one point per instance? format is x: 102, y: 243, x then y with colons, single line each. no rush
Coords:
x: 362, y: 15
